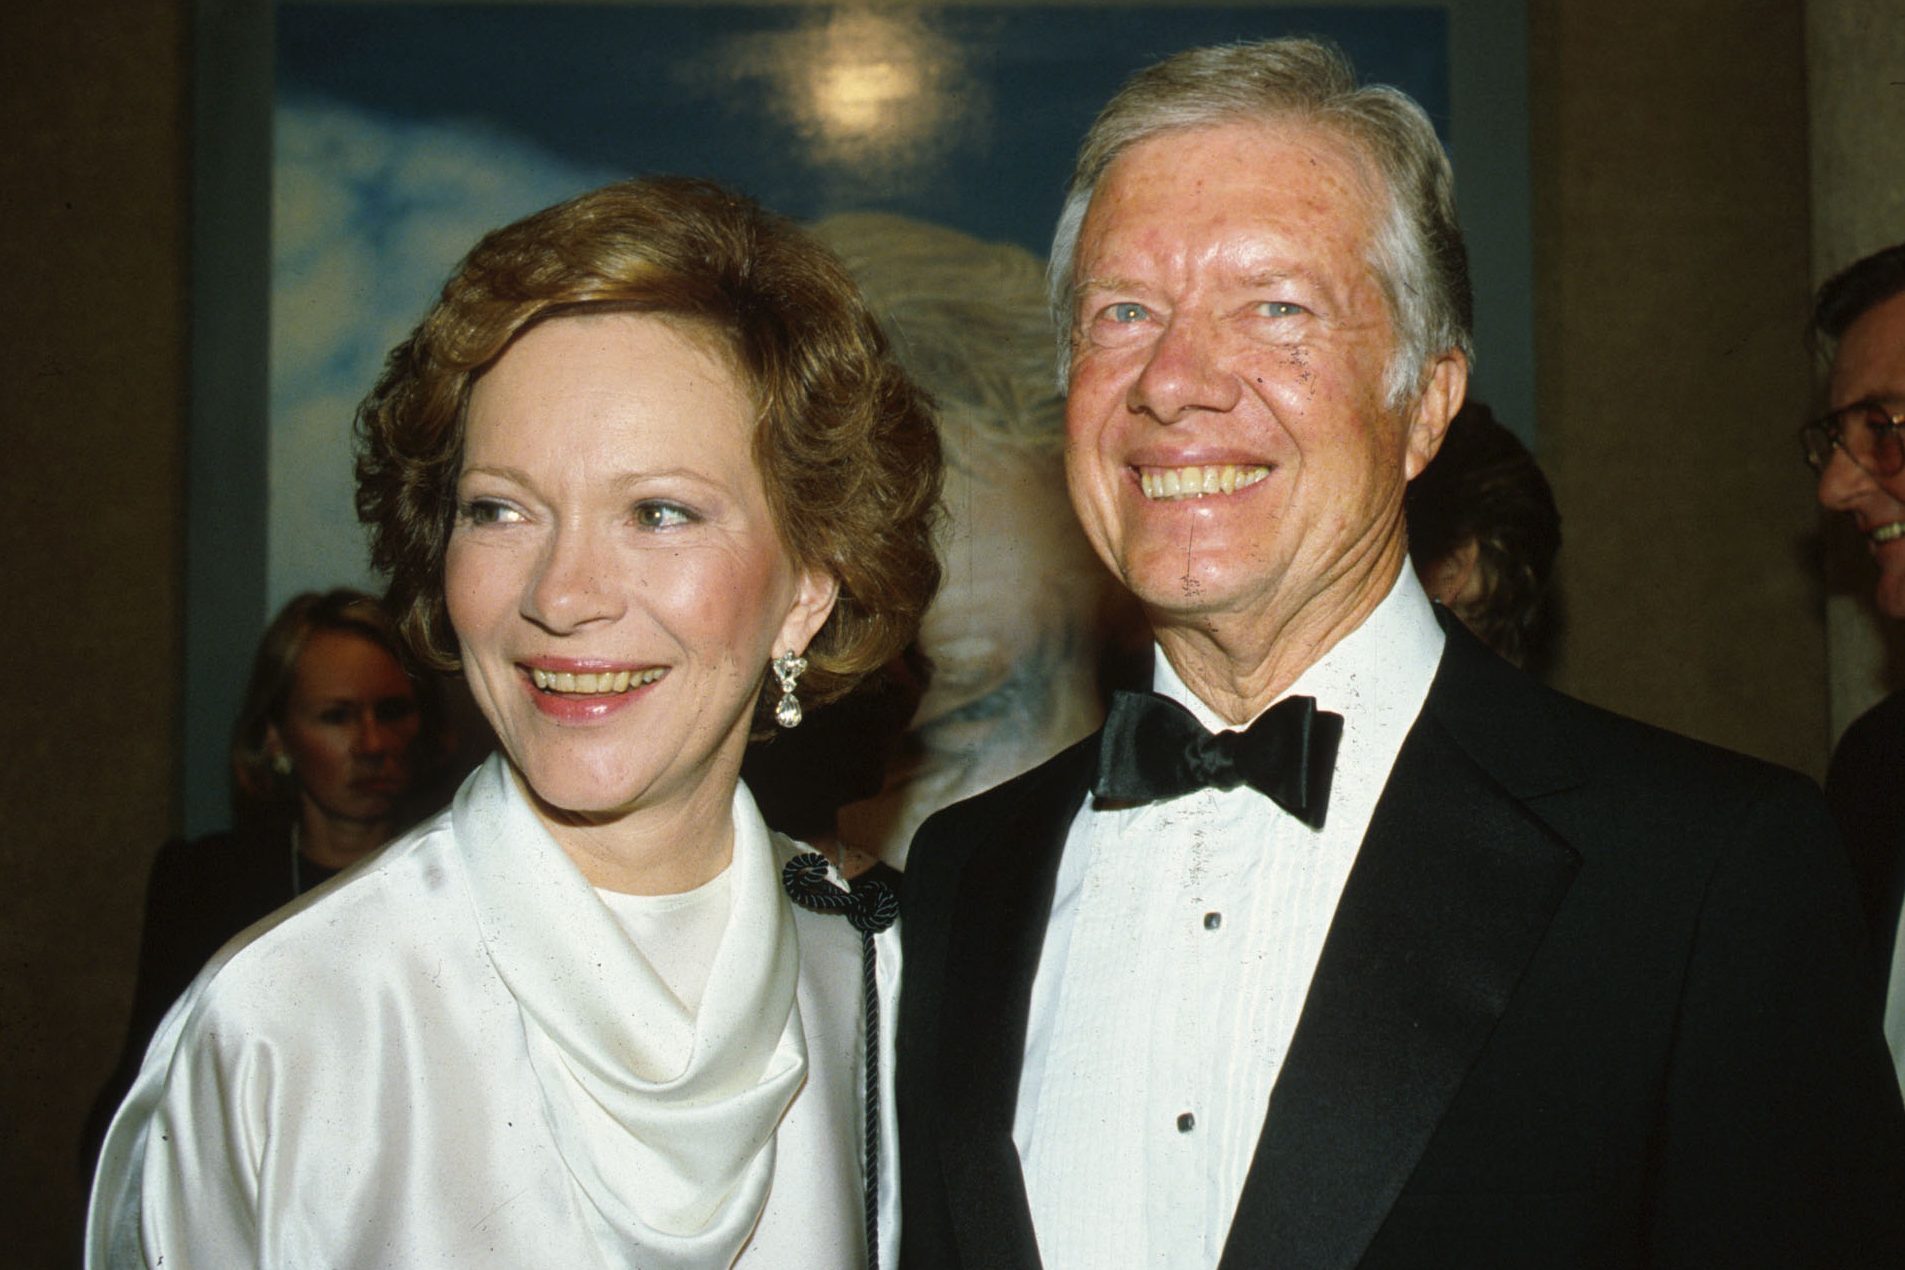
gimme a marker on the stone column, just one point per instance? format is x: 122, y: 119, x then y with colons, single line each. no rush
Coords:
x: 1855, y: 89
x: 1671, y: 269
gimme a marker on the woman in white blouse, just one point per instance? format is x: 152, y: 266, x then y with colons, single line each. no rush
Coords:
x: 648, y: 473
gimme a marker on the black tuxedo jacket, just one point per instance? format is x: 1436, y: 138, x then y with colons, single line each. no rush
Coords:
x: 1593, y: 997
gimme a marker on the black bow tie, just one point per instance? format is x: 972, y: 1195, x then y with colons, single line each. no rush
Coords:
x: 1153, y: 748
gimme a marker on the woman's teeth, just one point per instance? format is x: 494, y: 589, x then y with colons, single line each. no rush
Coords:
x: 607, y: 681
x: 1888, y: 533
x: 1198, y: 482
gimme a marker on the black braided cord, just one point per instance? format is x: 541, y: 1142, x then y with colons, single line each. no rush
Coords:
x: 870, y: 907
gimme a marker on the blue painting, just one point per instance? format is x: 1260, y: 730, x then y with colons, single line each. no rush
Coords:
x: 402, y: 132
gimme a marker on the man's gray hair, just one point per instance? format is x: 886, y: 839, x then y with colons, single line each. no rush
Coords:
x: 1417, y: 253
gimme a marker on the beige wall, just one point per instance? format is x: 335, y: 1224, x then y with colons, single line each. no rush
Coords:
x: 1671, y: 279
x: 91, y: 397
x: 1855, y: 59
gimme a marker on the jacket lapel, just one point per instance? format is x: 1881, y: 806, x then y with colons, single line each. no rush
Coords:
x: 996, y: 937
x: 1452, y: 890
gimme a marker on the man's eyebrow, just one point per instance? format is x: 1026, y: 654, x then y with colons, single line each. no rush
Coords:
x: 1254, y: 278
x: 1108, y: 282
x: 1274, y: 275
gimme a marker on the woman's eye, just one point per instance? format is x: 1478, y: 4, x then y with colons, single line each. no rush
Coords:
x: 1280, y: 309
x: 334, y: 716
x: 488, y: 511
x: 662, y: 515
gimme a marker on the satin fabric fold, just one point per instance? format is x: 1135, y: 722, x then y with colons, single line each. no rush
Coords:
x: 446, y: 1058
x: 666, y: 1120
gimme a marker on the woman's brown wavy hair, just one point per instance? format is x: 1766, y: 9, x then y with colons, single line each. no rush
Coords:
x: 844, y: 441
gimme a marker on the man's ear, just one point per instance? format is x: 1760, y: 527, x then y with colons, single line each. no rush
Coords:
x: 1440, y: 399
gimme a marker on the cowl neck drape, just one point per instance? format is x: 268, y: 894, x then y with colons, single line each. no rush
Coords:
x: 665, y: 1120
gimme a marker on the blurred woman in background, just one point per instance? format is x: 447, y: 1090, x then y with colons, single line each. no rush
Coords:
x: 334, y: 741
x: 334, y: 734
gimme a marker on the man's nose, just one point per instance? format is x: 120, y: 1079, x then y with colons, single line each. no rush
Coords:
x: 1842, y: 483
x: 1184, y: 374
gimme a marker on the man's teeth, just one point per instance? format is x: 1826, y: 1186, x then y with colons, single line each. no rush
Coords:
x: 1198, y: 482
x: 594, y: 684
x: 1888, y: 533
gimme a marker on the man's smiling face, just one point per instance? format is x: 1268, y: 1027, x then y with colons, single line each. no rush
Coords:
x: 1230, y: 449
x: 1870, y: 366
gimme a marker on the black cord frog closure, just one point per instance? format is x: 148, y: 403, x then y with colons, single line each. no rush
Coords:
x: 871, y: 907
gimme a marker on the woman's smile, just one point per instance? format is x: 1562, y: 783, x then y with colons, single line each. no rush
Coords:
x: 597, y: 683
x: 615, y: 575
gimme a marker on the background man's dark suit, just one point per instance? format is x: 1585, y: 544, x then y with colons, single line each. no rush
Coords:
x: 1866, y: 787
x: 1592, y: 998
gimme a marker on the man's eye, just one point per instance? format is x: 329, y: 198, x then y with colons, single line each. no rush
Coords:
x: 1280, y: 309
x: 334, y: 716
x: 662, y: 515
x: 1126, y: 311
x: 1848, y: 422
x: 488, y: 511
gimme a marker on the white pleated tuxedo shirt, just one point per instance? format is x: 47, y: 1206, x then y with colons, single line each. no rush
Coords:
x: 1182, y: 941
x: 454, y: 1056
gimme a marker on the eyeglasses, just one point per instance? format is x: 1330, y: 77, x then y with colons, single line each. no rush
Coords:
x: 1869, y: 433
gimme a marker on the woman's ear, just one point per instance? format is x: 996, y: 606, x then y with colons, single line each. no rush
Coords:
x: 815, y: 591
x: 276, y: 757
x: 1454, y: 578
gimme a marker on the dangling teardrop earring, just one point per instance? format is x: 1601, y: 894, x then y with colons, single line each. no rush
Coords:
x: 788, y: 668
x: 281, y: 763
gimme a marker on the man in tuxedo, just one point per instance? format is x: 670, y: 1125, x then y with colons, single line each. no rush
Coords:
x: 1858, y: 450
x: 1429, y: 965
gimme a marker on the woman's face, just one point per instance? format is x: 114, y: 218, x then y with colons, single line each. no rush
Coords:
x: 614, y: 576
x: 349, y: 728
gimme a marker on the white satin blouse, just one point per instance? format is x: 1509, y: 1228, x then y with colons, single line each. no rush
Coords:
x: 454, y: 1055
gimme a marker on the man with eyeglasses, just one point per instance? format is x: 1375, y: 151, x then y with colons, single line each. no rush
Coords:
x: 1858, y: 449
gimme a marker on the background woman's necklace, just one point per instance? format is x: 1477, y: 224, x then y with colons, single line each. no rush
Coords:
x: 297, y: 859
